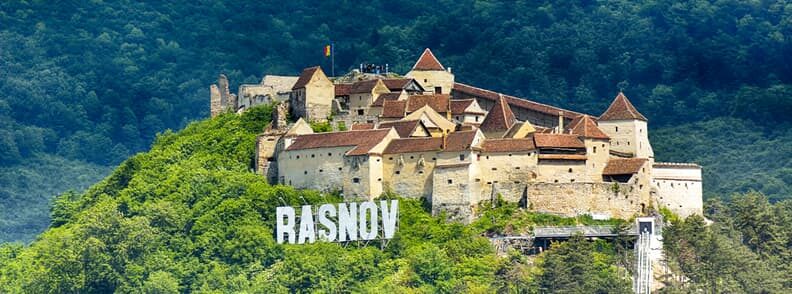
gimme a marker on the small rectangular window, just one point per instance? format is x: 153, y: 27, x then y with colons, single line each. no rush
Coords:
x: 450, y: 182
x: 461, y: 156
x: 356, y: 180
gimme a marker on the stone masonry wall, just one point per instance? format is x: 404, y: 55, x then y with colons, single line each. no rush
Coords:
x: 572, y: 199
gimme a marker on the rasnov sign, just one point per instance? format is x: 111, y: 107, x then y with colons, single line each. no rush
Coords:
x: 339, y: 222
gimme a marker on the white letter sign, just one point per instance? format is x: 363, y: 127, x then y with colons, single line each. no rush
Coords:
x: 340, y: 222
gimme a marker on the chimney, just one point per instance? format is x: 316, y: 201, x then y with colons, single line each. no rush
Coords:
x: 560, y: 122
x: 449, y: 69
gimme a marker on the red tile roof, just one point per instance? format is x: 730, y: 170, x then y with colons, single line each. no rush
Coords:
x: 458, y: 106
x: 508, y: 145
x: 362, y: 141
x: 428, y: 61
x: 621, y: 109
x: 562, y: 156
x: 460, y: 140
x: 362, y: 126
x: 623, y: 166
x: 438, y: 102
x: 386, y: 96
x: 404, y: 128
x: 407, y: 145
x: 394, y: 108
x: 499, y: 118
x: 396, y: 85
x: 514, y: 101
x: 587, y: 128
x: 342, y: 89
x: 363, y: 86
x: 305, y: 77
x: 557, y: 141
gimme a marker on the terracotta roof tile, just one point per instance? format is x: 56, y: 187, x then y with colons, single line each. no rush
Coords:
x: 305, y: 77
x: 499, y: 118
x: 394, y: 108
x: 620, y: 109
x: 362, y: 126
x: 557, y: 141
x: 363, y: 86
x: 458, y: 106
x: 403, y: 127
x: 362, y: 141
x: 407, y: 145
x: 508, y: 145
x: 587, y: 128
x: 562, y: 156
x: 623, y: 166
x: 396, y: 85
x: 428, y: 61
x: 514, y: 101
x: 438, y: 102
x: 343, y: 89
x: 460, y: 141
x: 386, y: 96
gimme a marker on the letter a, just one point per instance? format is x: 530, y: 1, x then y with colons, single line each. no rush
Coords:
x: 306, y: 226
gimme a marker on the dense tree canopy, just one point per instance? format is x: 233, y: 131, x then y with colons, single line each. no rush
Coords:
x: 95, y: 80
x: 189, y: 216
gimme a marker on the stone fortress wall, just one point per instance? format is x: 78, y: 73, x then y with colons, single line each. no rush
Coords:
x: 602, y: 166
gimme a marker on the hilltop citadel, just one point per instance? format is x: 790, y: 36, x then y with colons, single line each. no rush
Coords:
x: 426, y: 135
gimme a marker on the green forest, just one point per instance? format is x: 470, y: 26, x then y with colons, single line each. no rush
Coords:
x: 188, y: 216
x: 86, y: 84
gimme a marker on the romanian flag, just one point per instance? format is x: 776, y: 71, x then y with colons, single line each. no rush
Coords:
x: 328, y: 50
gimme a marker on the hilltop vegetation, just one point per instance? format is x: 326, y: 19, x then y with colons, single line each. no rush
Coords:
x: 93, y: 82
x: 188, y: 216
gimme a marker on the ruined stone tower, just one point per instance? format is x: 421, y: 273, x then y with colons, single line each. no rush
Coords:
x: 221, y: 98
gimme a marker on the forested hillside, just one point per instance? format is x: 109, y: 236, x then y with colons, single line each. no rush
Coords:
x: 188, y: 216
x: 89, y: 83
